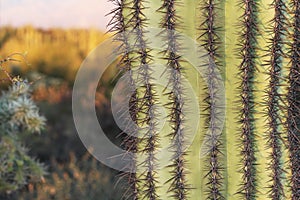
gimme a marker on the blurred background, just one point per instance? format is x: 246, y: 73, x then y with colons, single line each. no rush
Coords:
x: 56, y: 37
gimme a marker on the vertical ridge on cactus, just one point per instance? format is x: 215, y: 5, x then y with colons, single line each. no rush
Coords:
x: 130, y: 142
x: 273, y: 100
x: 248, y: 40
x: 211, y: 42
x: 294, y: 103
x: 259, y: 171
x: 169, y: 22
x: 147, y: 112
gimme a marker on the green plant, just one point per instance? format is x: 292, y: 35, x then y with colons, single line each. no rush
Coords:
x: 18, y: 115
x: 293, y: 134
x: 83, y: 178
x: 274, y: 126
x: 256, y: 154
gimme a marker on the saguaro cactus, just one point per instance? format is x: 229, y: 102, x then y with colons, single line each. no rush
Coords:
x: 211, y: 41
x: 255, y: 155
x: 274, y: 96
x: 293, y: 101
x: 249, y: 31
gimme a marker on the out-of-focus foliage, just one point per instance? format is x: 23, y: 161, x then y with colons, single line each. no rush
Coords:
x: 53, y: 58
x: 19, y: 115
x: 78, y: 179
x: 55, y: 52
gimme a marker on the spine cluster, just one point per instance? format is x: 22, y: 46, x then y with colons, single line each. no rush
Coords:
x: 119, y: 26
x: 136, y: 60
x: 273, y: 102
x: 210, y: 40
x: 294, y: 103
x: 179, y: 187
x: 129, y: 23
x: 248, y: 66
x: 147, y: 114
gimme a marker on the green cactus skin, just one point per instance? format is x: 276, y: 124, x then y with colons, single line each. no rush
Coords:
x: 293, y: 102
x: 246, y: 40
x: 274, y: 99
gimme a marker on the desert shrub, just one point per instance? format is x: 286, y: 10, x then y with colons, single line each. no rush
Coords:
x: 18, y: 115
x: 78, y: 179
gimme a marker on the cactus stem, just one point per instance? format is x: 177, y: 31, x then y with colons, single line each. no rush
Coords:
x: 249, y: 25
x: 293, y: 105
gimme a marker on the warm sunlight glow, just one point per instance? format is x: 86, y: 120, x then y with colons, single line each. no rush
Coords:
x: 55, y: 13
